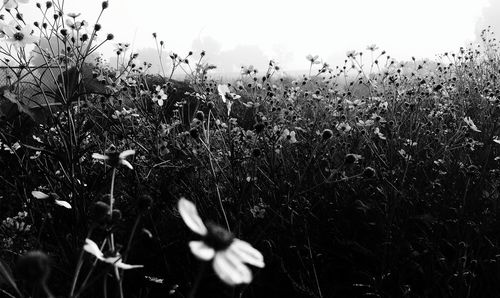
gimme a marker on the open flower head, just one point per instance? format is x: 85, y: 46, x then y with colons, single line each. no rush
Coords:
x: 228, y: 254
x: 52, y: 196
x: 11, y: 4
x: 115, y: 158
x: 24, y: 36
x: 115, y: 259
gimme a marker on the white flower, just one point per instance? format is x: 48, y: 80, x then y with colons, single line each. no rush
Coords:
x: 92, y: 248
x: 7, y: 29
x: 471, y: 124
x: 228, y: 254
x: 23, y: 37
x: 10, y: 4
x: 160, y: 96
x: 115, y: 158
x: 43, y: 196
x: 227, y: 97
x: 496, y: 140
x: 313, y: 59
x: 343, y: 127
x: 288, y: 135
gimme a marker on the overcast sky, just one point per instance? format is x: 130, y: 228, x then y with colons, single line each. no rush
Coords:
x: 287, y: 31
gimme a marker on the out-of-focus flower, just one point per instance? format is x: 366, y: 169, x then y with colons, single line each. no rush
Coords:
x: 43, y: 196
x: 11, y: 4
x: 115, y: 158
x: 372, y: 48
x: 227, y: 96
x: 23, y: 37
x: 343, y: 127
x: 227, y: 253
x: 288, y: 135
x: 116, y: 260
x: 313, y: 59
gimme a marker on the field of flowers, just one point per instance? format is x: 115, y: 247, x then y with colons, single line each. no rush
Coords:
x: 376, y: 178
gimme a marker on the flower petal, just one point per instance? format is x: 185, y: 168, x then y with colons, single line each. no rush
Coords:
x: 92, y: 248
x: 126, y: 153
x: 201, y: 250
x: 124, y: 266
x: 126, y: 163
x: 63, y: 204
x: 247, y: 253
x: 100, y: 156
x: 190, y: 216
x: 230, y: 269
x: 39, y: 195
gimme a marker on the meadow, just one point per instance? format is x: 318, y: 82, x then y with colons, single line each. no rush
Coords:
x: 375, y: 178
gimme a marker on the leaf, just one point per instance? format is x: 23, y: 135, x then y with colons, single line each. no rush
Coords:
x: 13, y: 99
x: 6, y: 275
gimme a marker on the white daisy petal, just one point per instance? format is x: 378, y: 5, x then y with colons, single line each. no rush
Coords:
x: 247, y: 253
x: 190, y: 216
x: 230, y: 269
x: 92, y: 248
x: 100, y: 156
x: 201, y: 250
x: 126, y: 163
x: 127, y: 153
x: 63, y: 204
x: 124, y: 266
x: 39, y: 195
x: 117, y: 262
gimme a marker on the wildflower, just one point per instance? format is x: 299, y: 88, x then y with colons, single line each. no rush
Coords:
x: 372, y: 48
x: 43, y: 196
x: 496, y: 141
x: 160, y: 96
x: 116, y: 260
x: 313, y: 59
x: 227, y: 253
x: 289, y: 135
x: 10, y: 4
x: 343, y: 127
x: 115, y: 158
x: 74, y: 15
x: 227, y: 97
x: 23, y: 37
x: 7, y: 29
x: 471, y: 124
x: 351, y: 54
x: 379, y: 134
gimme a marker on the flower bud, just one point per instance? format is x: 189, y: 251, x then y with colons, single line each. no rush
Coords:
x: 105, y: 4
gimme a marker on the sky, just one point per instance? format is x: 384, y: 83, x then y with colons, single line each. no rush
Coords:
x: 236, y: 32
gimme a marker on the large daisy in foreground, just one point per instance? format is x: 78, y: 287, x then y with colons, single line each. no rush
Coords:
x: 228, y: 254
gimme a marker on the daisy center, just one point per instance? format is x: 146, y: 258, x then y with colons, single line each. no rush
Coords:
x: 218, y: 237
x: 18, y: 36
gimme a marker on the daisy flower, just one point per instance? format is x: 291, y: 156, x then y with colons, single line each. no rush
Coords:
x: 54, y: 197
x: 227, y: 253
x: 227, y: 96
x: 11, y: 4
x: 313, y: 59
x: 116, y: 260
x: 23, y: 37
x: 115, y: 158
x: 288, y: 135
x: 343, y: 127
x: 160, y: 96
